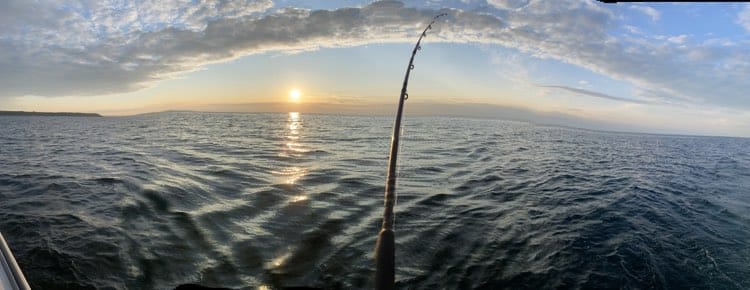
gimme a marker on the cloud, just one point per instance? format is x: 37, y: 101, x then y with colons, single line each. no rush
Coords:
x: 633, y: 29
x: 743, y: 18
x: 508, y: 4
x: 90, y: 47
x: 596, y: 94
x: 123, y: 49
x: 650, y: 12
x: 678, y: 39
x: 87, y: 48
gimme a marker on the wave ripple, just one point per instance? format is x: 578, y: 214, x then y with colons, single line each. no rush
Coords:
x: 285, y: 200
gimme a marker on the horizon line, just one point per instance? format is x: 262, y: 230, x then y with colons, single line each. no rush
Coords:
x: 474, y: 110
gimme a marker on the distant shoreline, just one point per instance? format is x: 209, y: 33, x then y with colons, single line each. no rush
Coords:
x: 48, y: 114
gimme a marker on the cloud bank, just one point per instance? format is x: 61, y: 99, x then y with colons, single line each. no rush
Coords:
x: 650, y: 12
x: 596, y: 94
x: 91, y: 48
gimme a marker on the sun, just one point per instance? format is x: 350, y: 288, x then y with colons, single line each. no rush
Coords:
x: 294, y: 95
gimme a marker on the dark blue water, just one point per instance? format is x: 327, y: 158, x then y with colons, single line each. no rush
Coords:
x: 278, y: 200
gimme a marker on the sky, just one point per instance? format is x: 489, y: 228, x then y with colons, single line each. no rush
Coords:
x: 679, y: 68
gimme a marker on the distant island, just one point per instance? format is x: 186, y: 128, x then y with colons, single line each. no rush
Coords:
x: 57, y: 114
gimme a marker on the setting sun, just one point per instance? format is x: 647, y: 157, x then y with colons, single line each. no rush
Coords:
x: 294, y: 95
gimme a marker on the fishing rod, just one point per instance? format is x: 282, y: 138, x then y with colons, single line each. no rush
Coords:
x: 385, y: 248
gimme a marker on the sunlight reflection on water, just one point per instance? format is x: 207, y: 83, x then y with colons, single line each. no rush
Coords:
x: 292, y: 148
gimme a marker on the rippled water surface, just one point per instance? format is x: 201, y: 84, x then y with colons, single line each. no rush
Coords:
x: 279, y: 200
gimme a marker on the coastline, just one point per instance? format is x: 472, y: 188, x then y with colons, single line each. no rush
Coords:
x: 48, y: 114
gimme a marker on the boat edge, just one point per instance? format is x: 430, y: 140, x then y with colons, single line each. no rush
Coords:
x: 8, y: 262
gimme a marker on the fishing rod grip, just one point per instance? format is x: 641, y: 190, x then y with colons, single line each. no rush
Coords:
x: 385, y: 260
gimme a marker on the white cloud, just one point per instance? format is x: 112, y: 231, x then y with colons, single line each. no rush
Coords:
x: 677, y: 39
x: 649, y: 11
x: 125, y: 49
x: 633, y: 29
x: 743, y: 18
x: 81, y: 23
x: 129, y: 47
x: 56, y: 47
x: 508, y: 4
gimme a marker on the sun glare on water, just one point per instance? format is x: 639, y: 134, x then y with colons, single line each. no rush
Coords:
x: 295, y: 95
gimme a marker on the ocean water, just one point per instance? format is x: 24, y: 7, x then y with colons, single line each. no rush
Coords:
x: 282, y: 200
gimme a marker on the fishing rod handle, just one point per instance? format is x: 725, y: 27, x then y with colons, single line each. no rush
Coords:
x: 385, y: 259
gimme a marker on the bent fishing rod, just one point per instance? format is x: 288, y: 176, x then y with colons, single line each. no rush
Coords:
x: 385, y: 248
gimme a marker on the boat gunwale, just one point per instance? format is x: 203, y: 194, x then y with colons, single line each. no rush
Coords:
x: 10, y: 267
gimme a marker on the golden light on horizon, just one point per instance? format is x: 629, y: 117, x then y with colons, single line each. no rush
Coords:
x: 295, y: 95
